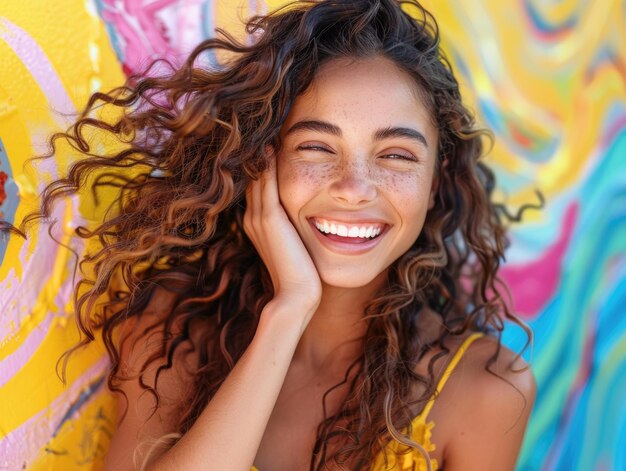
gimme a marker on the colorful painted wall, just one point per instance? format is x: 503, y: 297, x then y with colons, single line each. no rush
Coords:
x: 548, y: 77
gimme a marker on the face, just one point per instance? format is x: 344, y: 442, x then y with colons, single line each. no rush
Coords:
x: 355, y: 172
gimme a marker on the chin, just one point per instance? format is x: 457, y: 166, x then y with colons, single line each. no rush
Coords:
x: 354, y: 277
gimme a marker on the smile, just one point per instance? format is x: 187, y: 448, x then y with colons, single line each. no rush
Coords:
x: 365, y: 231
x: 348, y: 239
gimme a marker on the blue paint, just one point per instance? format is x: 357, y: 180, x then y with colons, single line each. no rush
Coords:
x: 8, y: 208
x: 208, y: 20
x: 115, y: 43
x: 542, y: 25
x: 611, y: 319
x: 493, y: 117
x: 84, y: 396
x: 208, y: 30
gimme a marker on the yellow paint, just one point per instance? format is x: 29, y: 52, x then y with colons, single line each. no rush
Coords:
x: 77, y: 46
x: 545, y: 90
x: 33, y: 388
x: 65, y: 31
x: 82, y: 443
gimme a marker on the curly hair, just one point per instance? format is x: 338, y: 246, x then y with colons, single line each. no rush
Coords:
x: 191, y: 142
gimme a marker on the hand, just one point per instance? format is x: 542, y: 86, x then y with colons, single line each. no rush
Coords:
x: 290, y: 266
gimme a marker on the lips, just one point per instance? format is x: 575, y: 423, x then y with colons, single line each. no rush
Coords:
x: 348, y: 238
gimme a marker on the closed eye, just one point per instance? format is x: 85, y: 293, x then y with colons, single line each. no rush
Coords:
x: 407, y: 157
x: 314, y: 148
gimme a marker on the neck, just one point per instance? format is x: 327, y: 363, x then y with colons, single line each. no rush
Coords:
x: 332, y: 339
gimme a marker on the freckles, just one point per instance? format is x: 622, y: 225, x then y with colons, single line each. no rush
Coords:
x: 312, y: 175
x: 407, y: 188
x: 309, y: 175
x: 397, y: 182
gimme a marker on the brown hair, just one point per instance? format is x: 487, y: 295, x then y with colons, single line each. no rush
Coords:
x: 192, y: 142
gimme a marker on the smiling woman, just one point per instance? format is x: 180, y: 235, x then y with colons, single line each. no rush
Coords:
x: 303, y: 253
x: 355, y: 158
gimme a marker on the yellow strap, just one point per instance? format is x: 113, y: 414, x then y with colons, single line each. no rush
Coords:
x: 446, y: 374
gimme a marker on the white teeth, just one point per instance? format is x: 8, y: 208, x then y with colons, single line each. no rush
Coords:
x: 347, y: 231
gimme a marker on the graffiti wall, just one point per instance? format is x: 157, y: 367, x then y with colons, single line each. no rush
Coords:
x: 549, y: 78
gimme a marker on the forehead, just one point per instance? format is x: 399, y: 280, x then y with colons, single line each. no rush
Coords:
x: 372, y: 92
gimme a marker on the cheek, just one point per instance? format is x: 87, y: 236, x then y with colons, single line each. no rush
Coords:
x: 408, y: 191
x: 309, y: 175
x: 300, y: 182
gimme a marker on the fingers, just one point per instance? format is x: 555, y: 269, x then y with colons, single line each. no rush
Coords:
x: 262, y: 200
x: 269, y: 184
x: 258, y: 222
x: 277, y: 241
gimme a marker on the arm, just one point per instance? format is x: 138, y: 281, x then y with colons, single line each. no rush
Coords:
x: 229, y: 430
x: 490, y: 430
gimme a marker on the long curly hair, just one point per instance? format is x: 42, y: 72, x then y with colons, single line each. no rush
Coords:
x: 192, y: 140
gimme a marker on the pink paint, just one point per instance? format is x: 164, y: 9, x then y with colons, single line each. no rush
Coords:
x: 14, y: 362
x: 19, y: 295
x: 24, y: 444
x: 37, y: 63
x: 143, y: 33
x: 159, y: 29
x: 533, y: 284
x: 614, y: 127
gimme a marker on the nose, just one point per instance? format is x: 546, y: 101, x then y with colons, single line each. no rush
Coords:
x: 353, y: 184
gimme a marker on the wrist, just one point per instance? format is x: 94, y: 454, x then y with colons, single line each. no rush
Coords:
x: 287, y: 315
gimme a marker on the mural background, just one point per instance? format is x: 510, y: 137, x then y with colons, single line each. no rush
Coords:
x: 548, y: 77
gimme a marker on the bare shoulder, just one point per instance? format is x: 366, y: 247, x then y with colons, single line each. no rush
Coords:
x: 141, y: 339
x: 495, y: 406
x: 143, y: 420
x: 508, y: 368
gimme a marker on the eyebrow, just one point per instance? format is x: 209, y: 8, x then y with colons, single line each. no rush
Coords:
x: 384, y: 133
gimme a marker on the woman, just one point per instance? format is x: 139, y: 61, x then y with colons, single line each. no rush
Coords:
x: 302, y: 255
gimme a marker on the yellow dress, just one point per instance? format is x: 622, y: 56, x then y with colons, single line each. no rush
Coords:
x: 421, y: 430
